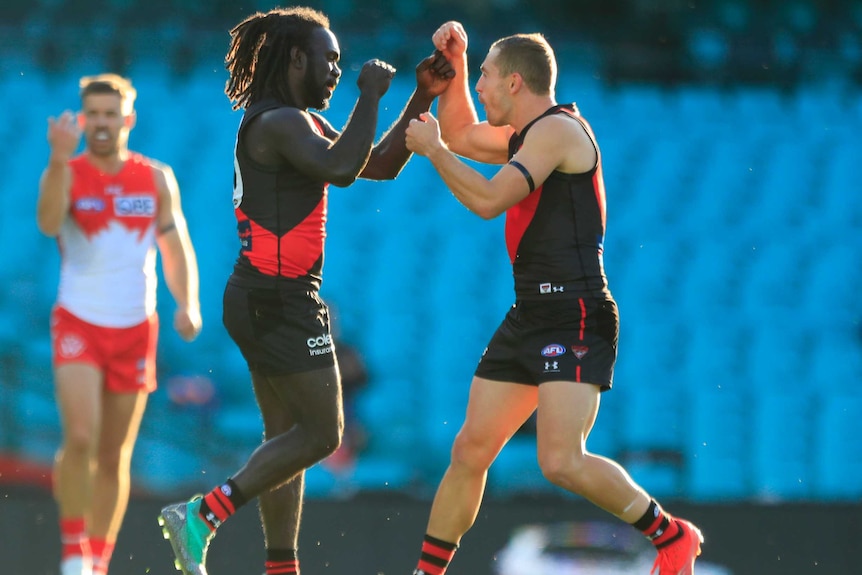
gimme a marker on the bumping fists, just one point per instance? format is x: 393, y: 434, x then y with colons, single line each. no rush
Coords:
x: 433, y: 74
x: 450, y: 39
x: 423, y: 135
x: 376, y: 76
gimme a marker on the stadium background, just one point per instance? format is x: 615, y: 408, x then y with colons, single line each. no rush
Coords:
x: 730, y: 136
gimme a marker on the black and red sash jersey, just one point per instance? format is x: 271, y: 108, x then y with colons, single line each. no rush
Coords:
x: 555, y: 236
x: 281, y: 217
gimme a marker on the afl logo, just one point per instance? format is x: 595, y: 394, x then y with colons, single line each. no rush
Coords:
x: 553, y: 350
x: 89, y: 205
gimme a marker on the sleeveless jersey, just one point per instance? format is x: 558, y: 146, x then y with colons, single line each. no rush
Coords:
x: 107, y: 244
x: 281, y: 218
x: 555, y: 236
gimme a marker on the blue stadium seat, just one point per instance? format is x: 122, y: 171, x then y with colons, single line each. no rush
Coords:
x: 390, y: 412
x: 840, y: 211
x: 733, y: 253
x: 162, y: 467
x: 38, y: 422
x: 783, y: 449
x: 516, y: 471
x: 837, y: 470
x: 718, y: 444
x: 380, y: 474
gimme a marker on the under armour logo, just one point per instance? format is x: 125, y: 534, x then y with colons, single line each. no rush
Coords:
x: 550, y: 288
x: 655, y: 535
x: 552, y: 366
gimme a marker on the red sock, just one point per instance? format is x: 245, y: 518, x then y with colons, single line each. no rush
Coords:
x: 102, y: 551
x: 73, y: 538
x: 435, y: 557
x: 221, y: 503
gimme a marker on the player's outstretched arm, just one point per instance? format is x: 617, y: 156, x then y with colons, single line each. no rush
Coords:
x: 294, y: 135
x: 388, y: 157
x: 485, y: 198
x: 540, y: 155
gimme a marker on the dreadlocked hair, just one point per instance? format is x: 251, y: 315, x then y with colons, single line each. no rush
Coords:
x: 259, y: 53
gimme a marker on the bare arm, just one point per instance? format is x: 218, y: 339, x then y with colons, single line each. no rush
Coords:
x: 289, y: 134
x: 56, y: 181
x: 460, y: 127
x: 390, y: 155
x: 541, y: 154
x: 179, y: 263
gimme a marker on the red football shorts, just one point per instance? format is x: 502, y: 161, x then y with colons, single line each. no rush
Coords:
x: 126, y: 356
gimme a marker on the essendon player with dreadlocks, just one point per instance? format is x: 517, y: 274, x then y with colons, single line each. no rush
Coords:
x: 283, y: 63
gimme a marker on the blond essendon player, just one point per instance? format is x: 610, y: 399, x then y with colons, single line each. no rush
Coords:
x: 555, y: 350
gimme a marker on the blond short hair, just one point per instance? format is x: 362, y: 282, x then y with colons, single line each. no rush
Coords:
x: 531, y: 56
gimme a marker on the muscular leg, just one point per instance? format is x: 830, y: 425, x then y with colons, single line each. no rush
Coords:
x: 78, y: 392
x: 566, y: 415
x: 121, y: 421
x: 495, y: 411
x: 280, y: 508
x: 313, y: 400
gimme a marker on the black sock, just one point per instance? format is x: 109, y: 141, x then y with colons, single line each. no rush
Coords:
x: 221, y: 503
x: 281, y: 562
x: 657, y: 525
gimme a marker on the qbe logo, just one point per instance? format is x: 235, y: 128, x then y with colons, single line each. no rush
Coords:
x: 320, y: 345
x: 135, y: 206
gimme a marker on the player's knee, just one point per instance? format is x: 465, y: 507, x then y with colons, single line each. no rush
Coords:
x: 79, y: 441
x: 113, y: 461
x: 472, y: 453
x: 562, y: 469
x: 327, y: 440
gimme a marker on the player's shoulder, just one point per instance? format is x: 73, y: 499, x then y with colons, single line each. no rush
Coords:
x: 321, y: 120
x: 555, y: 128
x: 162, y: 173
x: 275, y: 116
x: 293, y: 120
x: 138, y: 159
x: 81, y: 164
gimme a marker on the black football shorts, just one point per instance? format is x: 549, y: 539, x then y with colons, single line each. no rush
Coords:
x: 562, y: 340
x: 279, y: 331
